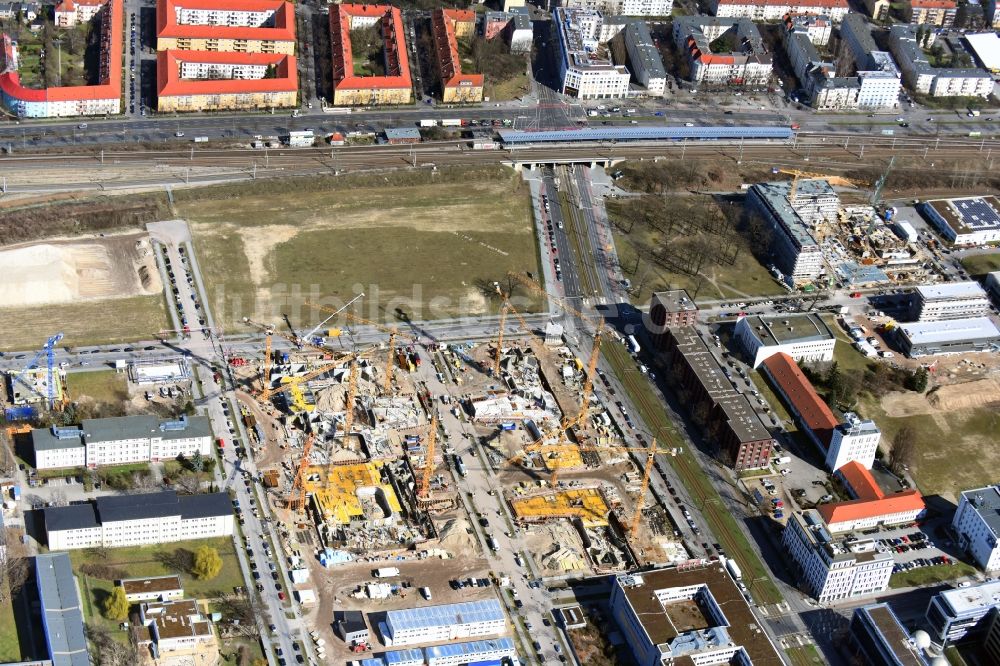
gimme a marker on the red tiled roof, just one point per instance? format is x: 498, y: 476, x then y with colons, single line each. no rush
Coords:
x: 811, y: 408
x: 398, y: 74
x: 282, y: 31
x: 443, y: 23
x: 170, y: 84
x: 932, y: 4
x: 861, y: 481
x: 901, y: 502
x: 109, y: 88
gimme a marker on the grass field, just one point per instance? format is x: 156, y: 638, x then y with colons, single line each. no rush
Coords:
x: 159, y: 560
x: 720, y: 520
x: 931, y: 575
x: 807, y: 655
x: 107, y: 321
x: 98, y: 385
x: 512, y: 88
x: 980, y: 264
x: 419, y: 245
x: 10, y: 645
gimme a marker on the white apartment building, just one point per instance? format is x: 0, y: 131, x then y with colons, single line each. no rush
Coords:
x: 951, y: 300
x: 878, y: 74
x: 70, y: 13
x: 835, y: 569
x: 819, y: 29
x: 585, y: 65
x: 445, y: 622
x: 120, y: 441
x: 135, y: 520
x: 773, y: 10
x: 625, y: 7
x: 232, y: 18
x: 879, y: 88
x: 221, y: 70
x: 855, y: 440
x: 977, y: 523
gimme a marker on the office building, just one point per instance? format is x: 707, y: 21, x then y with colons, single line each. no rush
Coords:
x: 447, y: 27
x: 773, y: 10
x: 445, y: 622
x: 964, y: 220
x: 963, y: 613
x: 938, y: 13
x: 808, y: 409
x: 233, y: 26
x: 174, y: 625
x: 714, y: 403
x: 101, y: 99
x: 513, y: 26
x: 748, y: 63
x: 158, y: 588
x: 835, y: 568
x: 722, y: 628
x: 133, y: 520
x: 669, y: 309
x: 224, y: 81
x: 991, y: 641
x: 625, y: 7
x: 854, y: 440
x: 792, y: 219
x: 878, y: 638
x: 992, y: 284
x: 925, y: 79
x: 61, y: 610
x: 871, y: 506
x: 120, y: 440
x: 949, y: 300
x: 392, y: 85
x: 977, y: 524
x: 586, y: 70
x: 803, y: 337
x: 953, y: 336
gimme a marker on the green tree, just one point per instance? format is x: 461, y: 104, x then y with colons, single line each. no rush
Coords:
x: 116, y: 606
x: 917, y: 381
x: 207, y: 563
x: 189, y: 408
x: 197, y: 462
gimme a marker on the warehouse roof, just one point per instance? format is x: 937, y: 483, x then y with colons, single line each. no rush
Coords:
x: 947, y: 290
x: 986, y: 46
x: 60, y: 600
x: 931, y: 332
x: 487, y: 610
x: 401, y: 133
x: 645, y: 134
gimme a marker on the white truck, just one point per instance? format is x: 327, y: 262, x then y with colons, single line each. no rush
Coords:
x: 386, y: 572
x: 734, y: 569
x: 428, y: 123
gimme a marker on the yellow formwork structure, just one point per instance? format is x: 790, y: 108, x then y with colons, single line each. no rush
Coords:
x: 587, y: 504
x: 340, y: 500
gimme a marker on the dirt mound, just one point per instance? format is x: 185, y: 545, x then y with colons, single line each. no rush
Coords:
x: 965, y: 396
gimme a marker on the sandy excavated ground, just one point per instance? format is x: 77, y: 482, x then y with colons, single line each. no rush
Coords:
x: 951, y: 398
x: 54, y: 272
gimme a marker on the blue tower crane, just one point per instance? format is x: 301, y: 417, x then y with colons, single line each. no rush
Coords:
x: 49, y: 351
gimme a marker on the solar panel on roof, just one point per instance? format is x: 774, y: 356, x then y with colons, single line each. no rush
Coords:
x: 646, y: 134
x: 977, y: 214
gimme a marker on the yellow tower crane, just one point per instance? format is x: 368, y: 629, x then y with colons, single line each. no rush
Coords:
x: 268, y: 332
x: 352, y: 394
x: 633, y: 525
x: 297, y: 498
x: 424, y: 491
x: 796, y: 175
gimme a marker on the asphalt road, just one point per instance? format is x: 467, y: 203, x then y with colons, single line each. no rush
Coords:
x: 567, y: 269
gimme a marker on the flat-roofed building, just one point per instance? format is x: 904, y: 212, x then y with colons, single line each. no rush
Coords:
x: 964, y: 220
x: 586, y: 70
x: 158, y: 588
x: 819, y: 29
x: 238, y: 26
x: 835, y: 568
x: 720, y: 627
x: 669, y: 309
x: 625, y: 7
x: 61, y: 610
x: 804, y: 337
x: 741, y: 435
x: 923, y: 78
x: 963, y: 613
x: 351, y: 87
x: 977, y: 524
x: 953, y: 336
x: 949, y: 300
x: 878, y: 638
x: 856, y: 440
x: 643, y: 58
x: 174, y: 626
x: 134, y: 520
x: 444, y: 622
x: 513, y: 26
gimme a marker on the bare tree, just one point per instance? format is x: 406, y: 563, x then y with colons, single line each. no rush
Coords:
x: 15, y: 567
x: 904, y: 449
x: 242, y: 610
x: 108, y: 651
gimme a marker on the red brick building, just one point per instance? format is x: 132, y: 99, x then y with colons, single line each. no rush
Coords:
x: 670, y: 309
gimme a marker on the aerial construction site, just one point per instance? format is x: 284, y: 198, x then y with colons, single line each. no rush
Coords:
x: 383, y: 450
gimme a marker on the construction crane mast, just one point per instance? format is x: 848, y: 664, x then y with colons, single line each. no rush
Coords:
x: 297, y: 498
x: 633, y: 525
x: 265, y: 377
x: 424, y: 491
x: 352, y: 394
x: 48, y: 349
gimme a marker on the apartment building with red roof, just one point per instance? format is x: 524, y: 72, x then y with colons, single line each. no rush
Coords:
x: 871, y: 506
x: 70, y: 13
x: 62, y: 101
x: 940, y: 13
x: 241, y: 26
x: 352, y: 87
x: 447, y: 26
x: 217, y: 80
x: 773, y: 10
